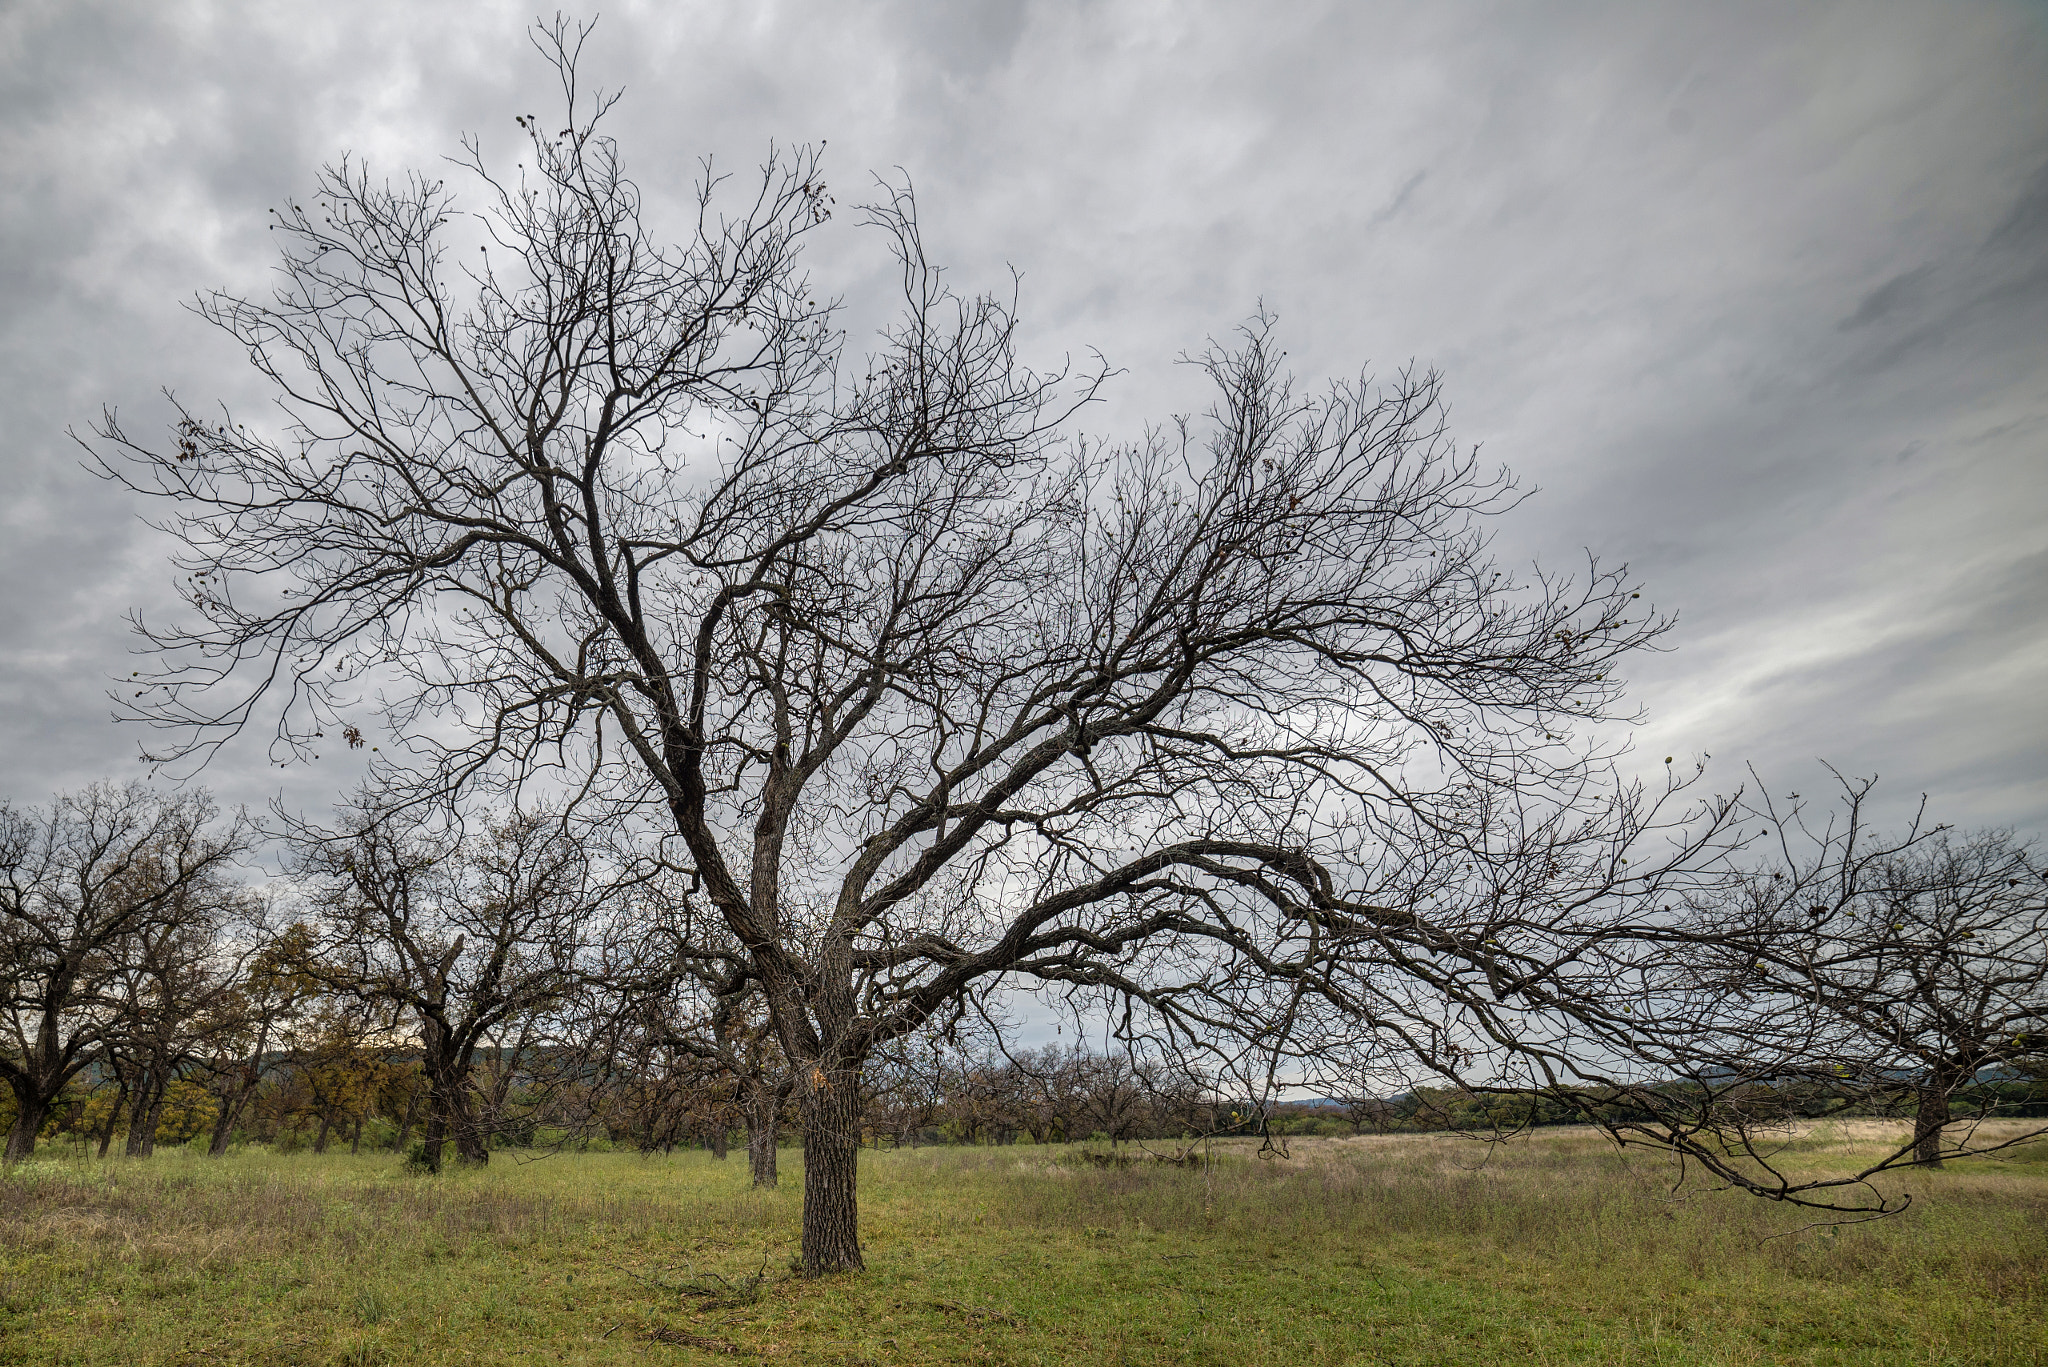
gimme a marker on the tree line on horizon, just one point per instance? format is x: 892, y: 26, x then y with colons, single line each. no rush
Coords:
x: 479, y: 989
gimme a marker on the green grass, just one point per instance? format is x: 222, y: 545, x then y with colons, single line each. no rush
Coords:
x: 1395, y: 1250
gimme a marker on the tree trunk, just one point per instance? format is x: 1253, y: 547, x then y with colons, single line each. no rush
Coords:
x: 355, y: 1143
x: 231, y: 1110
x: 469, y: 1140
x: 1928, y: 1119
x: 30, y: 1113
x: 764, y: 1132
x: 138, y: 1109
x: 146, y: 1111
x: 248, y: 1077
x: 320, y: 1140
x: 830, y: 1106
x: 217, y: 1143
x: 450, y: 1119
x: 447, y: 1061
x: 436, y: 1136
x: 412, y: 1106
x: 718, y: 1139
x: 113, y: 1117
x: 154, y: 1118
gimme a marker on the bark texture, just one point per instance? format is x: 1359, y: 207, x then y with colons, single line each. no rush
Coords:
x: 764, y: 1131
x: 830, y: 1106
x: 29, y: 1116
x: 451, y: 1117
x: 1932, y: 1114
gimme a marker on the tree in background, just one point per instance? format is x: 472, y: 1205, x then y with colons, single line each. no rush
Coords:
x: 86, y: 884
x: 260, y: 1009
x: 686, y: 1044
x: 692, y: 996
x: 338, y: 1065
x: 1837, y: 971
x: 177, y: 988
x: 1904, y: 973
x: 450, y: 937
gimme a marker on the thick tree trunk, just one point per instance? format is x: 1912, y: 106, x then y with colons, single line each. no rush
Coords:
x: 432, y: 1141
x: 320, y: 1140
x: 450, y: 1117
x: 451, y: 1120
x: 355, y: 1143
x: 830, y: 1106
x: 469, y: 1140
x: 30, y: 1112
x: 448, y: 1123
x: 1928, y: 1119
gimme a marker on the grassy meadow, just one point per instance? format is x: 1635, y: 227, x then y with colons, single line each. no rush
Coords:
x: 1402, y: 1249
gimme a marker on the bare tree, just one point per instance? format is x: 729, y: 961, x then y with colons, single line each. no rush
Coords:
x: 248, y: 1022
x: 458, y: 939
x: 738, y: 1039
x: 181, y: 986
x: 699, y: 1022
x: 934, y: 694
x: 85, y: 884
x: 988, y: 1094
x: 1888, y: 971
x: 167, y: 982
x: 1048, y: 1093
x: 904, y: 1090
x: 1828, y: 970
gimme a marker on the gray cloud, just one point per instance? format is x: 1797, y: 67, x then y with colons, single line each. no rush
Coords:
x: 1901, y: 291
x: 1754, y: 294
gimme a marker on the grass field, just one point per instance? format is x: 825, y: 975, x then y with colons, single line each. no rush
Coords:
x: 1391, y: 1250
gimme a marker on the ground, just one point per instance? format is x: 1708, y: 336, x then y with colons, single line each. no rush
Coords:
x: 1404, y: 1249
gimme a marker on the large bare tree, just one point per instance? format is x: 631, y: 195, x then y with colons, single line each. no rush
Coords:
x: 931, y: 691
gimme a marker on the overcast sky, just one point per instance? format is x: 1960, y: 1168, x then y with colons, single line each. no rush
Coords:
x: 1757, y: 295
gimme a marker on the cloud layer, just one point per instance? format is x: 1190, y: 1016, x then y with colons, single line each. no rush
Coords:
x: 1755, y: 295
